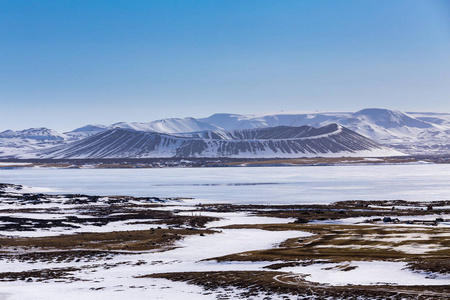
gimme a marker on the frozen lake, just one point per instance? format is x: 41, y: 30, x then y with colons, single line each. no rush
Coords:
x: 259, y: 185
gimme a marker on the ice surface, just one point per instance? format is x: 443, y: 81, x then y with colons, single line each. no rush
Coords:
x: 258, y: 185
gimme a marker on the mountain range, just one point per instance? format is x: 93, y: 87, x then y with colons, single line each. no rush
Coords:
x: 411, y: 133
x: 270, y: 142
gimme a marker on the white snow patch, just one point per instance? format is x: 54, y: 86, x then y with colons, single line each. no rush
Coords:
x: 366, y: 273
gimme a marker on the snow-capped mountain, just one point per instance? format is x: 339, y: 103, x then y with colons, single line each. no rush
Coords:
x: 15, y: 142
x: 277, y: 142
x: 412, y: 132
x: 415, y: 133
x: 378, y: 124
x: 172, y: 125
x: 85, y: 131
x: 34, y: 133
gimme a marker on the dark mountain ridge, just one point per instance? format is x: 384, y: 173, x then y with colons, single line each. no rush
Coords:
x: 281, y: 141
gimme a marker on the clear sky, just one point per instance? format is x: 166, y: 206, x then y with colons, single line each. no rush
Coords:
x: 65, y: 63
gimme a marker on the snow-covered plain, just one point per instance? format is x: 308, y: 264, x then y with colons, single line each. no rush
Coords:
x: 117, y: 278
x: 119, y: 282
x: 267, y: 185
x: 258, y: 185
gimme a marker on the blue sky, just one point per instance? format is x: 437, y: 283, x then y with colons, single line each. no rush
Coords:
x: 64, y: 64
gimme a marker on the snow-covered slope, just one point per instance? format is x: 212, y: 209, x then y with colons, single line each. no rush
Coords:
x: 173, y: 125
x: 412, y: 132
x: 282, y: 141
x: 85, y: 131
x: 16, y: 142
x: 366, y: 119
x: 234, y: 121
x: 34, y: 133
x: 415, y: 133
x: 432, y: 117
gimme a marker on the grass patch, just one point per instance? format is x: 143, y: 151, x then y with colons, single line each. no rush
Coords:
x: 137, y: 240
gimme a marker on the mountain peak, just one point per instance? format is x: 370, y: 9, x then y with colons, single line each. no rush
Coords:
x: 40, y: 133
x: 391, y: 118
x: 414, y: 132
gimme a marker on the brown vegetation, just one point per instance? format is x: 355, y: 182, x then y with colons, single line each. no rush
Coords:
x: 138, y: 240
